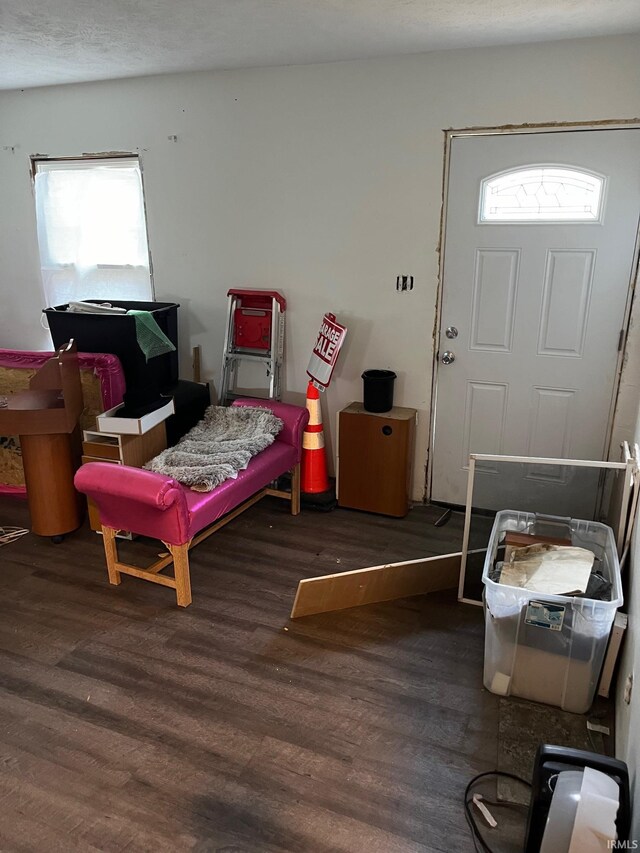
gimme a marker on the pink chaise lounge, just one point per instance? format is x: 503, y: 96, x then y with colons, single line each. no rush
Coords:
x: 157, y: 506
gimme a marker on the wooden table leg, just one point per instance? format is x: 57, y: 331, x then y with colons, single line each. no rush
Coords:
x: 295, y: 490
x: 49, y: 463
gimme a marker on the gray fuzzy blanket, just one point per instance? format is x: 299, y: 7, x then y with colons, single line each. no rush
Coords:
x: 218, y: 447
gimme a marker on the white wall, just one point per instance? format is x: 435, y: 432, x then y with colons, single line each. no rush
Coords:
x: 322, y: 181
x: 628, y: 715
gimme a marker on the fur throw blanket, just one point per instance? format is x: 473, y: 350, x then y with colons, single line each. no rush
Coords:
x: 218, y: 447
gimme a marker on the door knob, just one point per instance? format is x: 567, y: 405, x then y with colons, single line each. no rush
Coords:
x: 451, y: 332
x: 448, y: 357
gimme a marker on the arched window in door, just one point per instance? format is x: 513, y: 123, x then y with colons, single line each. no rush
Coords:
x: 539, y: 193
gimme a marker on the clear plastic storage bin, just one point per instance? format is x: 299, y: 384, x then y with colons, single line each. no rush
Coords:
x: 548, y: 648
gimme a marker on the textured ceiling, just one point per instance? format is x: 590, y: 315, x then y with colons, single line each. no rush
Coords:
x: 67, y: 41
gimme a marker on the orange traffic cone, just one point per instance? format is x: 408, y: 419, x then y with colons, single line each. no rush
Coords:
x: 314, y: 478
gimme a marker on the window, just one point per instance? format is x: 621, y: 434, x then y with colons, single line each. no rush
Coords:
x: 542, y: 194
x: 92, y: 231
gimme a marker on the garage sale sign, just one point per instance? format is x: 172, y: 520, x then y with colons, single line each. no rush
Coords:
x: 325, y: 352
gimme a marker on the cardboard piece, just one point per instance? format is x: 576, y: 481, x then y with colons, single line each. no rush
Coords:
x: 513, y: 540
x: 549, y: 569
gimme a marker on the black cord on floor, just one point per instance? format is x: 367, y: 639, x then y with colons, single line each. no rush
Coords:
x: 475, y: 832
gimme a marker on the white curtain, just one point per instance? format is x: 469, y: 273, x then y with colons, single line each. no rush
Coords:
x: 91, y: 230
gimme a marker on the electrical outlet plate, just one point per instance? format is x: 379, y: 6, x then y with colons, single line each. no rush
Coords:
x: 404, y: 283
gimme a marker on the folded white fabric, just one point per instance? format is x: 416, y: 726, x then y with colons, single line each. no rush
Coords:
x: 94, y: 308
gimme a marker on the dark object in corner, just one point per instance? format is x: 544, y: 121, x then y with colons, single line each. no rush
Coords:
x: 190, y: 400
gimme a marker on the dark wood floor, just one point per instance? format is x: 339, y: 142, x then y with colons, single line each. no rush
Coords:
x: 128, y: 724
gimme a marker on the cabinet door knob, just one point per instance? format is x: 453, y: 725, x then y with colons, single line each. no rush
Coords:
x: 387, y: 430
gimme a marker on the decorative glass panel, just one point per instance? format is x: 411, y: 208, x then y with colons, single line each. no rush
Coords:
x: 542, y: 194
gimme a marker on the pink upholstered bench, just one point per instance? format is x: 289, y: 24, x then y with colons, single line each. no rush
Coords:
x: 157, y: 506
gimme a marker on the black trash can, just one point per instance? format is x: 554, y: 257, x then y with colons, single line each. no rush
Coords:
x: 378, y: 390
x: 116, y: 334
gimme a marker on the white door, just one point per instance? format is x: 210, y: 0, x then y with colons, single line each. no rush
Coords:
x: 540, y: 236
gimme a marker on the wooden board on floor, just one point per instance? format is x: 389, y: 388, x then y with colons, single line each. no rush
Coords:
x: 375, y: 584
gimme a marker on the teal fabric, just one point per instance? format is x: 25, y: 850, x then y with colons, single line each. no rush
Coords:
x: 151, y: 339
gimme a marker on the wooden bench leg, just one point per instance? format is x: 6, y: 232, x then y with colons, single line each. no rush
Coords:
x: 180, y: 554
x: 295, y: 490
x: 111, y: 553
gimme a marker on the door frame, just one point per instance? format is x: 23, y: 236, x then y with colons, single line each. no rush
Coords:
x: 631, y: 306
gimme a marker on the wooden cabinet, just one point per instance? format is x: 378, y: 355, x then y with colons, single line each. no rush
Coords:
x: 132, y: 450
x: 375, y: 459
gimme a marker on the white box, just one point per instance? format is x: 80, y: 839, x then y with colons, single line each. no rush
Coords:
x: 110, y: 422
